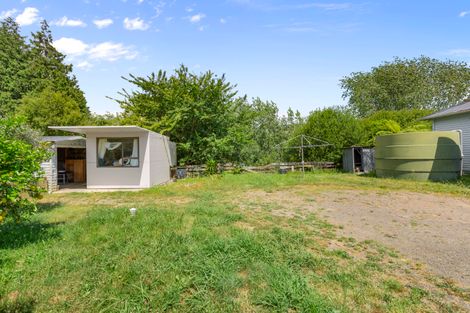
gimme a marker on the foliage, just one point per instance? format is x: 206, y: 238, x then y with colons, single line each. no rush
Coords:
x: 419, y: 83
x: 196, y: 111
x: 335, y: 126
x: 13, y: 55
x: 29, y: 68
x: 205, y: 117
x: 47, y: 69
x: 390, y: 122
x: 211, y: 167
x: 20, y: 166
x: 107, y: 119
x: 48, y: 108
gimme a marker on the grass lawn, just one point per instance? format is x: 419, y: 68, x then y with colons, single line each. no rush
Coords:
x: 201, y: 245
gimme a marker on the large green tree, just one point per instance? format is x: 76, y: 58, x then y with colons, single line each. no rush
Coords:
x: 48, y: 108
x: 196, y: 111
x: 47, y: 68
x: 14, y: 82
x: 30, y: 70
x: 419, y: 83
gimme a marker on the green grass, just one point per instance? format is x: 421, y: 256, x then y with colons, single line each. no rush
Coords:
x: 193, y: 248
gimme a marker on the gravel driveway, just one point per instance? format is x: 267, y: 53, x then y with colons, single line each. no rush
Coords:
x: 432, y: 229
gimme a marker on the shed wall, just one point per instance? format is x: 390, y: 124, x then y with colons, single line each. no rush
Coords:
x: 348, y: 160
x: 117, y: 177
x: 160, y: 159
x: 457, y: 122
x: 50, y: 171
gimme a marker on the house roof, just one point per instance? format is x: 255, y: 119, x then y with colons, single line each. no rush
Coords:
x: 456, y: 109
x: 102, y: 129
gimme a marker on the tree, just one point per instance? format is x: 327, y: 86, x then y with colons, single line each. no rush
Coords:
x: 13, y: 65
x: 20, y: 166
x: 47, y: 68
x: 196, y: 111
x: 389, y: 122
x: 419, y: 83
x: 48, y: 108
x: 336, y: 126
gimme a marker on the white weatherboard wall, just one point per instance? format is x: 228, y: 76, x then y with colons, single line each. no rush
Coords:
x: 118, y: 177
x: 457, y: 122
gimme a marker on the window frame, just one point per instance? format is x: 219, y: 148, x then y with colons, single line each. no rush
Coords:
x: 122, y: 153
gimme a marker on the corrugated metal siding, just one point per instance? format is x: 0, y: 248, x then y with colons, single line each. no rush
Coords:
x: 50, y: 171
x: 348, y: 162
x: 368, y: 159
x: 457, y: 122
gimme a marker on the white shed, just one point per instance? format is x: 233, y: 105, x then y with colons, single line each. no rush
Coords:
x: 116, y: 157
x: 455, y: 118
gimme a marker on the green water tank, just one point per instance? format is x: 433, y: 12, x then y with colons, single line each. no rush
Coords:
x: 433, y: 155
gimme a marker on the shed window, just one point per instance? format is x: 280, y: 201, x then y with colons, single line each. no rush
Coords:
x: 118, y: 152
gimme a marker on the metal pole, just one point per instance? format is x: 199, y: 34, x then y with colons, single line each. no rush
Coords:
x: 302, y: 153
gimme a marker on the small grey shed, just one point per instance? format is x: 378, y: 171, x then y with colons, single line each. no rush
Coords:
x: 358, y: 159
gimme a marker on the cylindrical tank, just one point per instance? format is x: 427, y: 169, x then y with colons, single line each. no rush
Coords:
x: 422, y: 155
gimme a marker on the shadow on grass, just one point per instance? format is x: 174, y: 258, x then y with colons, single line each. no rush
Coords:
x: 17, y: 306
x: 48, y: 206
x: 15, y: 235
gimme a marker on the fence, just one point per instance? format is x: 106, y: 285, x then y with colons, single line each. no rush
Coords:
x: 200, y: 170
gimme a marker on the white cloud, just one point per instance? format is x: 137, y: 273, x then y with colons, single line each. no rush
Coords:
x: 84, y: 65
x: 110, y: 51
x: 135, y: 24
x: 201, y: 28
x: 84, y: 55
x: 65, y: 21
x: 197, y: 18
x: 70, y: 46
x: 459, y: 52
x: 328, y: 6
x: 7, y: 13
x: 189, y: 9
x: 28, y: 16
x: 464, y: 13
x: 140, y: 1
x: 223, y: 21
x: 103, y: 23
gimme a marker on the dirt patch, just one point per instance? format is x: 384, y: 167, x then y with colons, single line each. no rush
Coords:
x: 428, y: 228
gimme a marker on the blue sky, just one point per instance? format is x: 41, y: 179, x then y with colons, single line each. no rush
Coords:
x: 291, y: 52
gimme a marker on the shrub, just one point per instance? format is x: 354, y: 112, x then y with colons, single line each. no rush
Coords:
x: 20, y: 169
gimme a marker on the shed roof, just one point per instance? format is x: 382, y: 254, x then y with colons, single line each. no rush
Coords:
x: 128, y: 129
x: 95, y: 129
x: 456, y: 109
x: 60, y: 138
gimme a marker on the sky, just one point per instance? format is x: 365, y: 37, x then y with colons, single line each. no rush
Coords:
x: 291, y: 52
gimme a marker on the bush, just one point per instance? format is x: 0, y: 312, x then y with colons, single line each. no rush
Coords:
x: 20, y: 169
x: 211, y: 167
x: 333, y: 125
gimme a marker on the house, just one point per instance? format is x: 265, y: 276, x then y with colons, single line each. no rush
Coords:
x: 109, y: 157
x: 455, y: 118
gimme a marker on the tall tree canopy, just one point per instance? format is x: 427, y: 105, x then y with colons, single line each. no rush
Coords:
x: 419, y: 83
x: 206, y: 118
x: 31, y: 69
x: 14, y: 54
x: 196, y: 111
